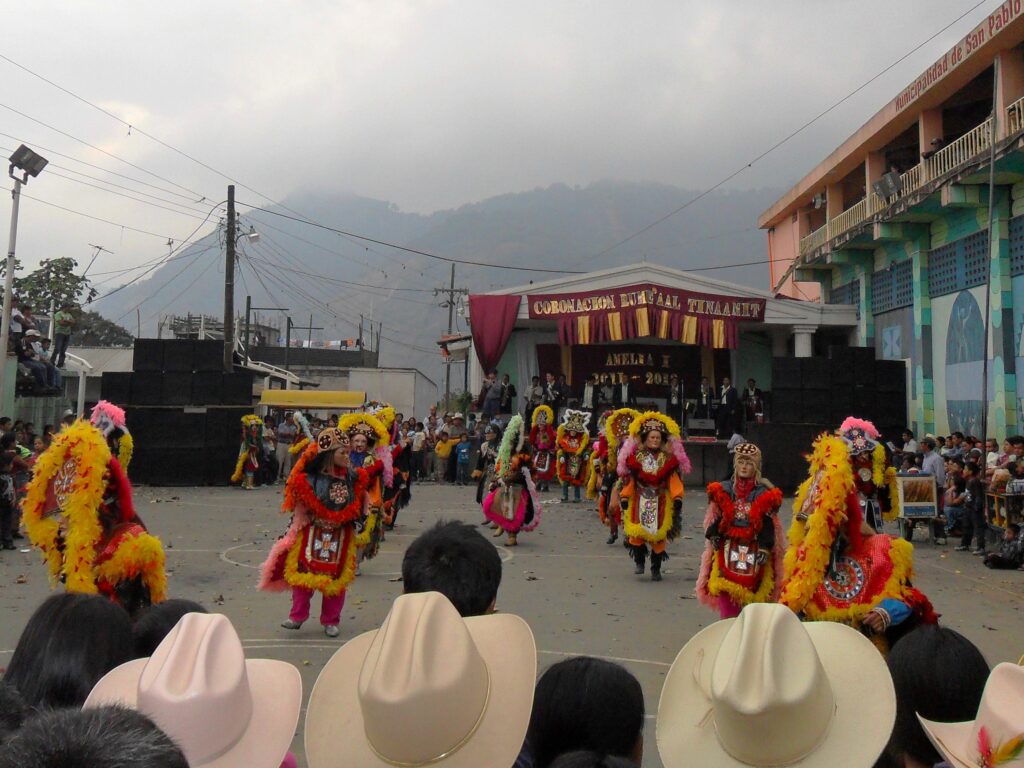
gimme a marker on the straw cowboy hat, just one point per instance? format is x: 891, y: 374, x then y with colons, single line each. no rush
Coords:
x: 427, y: 688
x: 996, y: 736
x: 765, y: 689
x: 222, y: 709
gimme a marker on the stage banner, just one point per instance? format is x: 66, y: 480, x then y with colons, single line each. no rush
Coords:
x: 492, y: 319
x: 645, y: 310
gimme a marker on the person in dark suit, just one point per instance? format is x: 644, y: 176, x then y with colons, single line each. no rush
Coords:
x: 705, y: 406
x: 590, y: 399
x: 554, y: 393
x: 753, y: 401
x: 728, y: 410
x: 674, y: 402
x: 623, y: 395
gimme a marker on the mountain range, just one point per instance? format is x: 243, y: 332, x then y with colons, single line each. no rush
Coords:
x: 336, y: 277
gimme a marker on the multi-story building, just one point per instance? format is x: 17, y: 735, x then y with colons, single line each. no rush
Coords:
x: 896, y: 222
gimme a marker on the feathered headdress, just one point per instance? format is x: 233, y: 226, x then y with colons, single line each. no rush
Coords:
x: 859, y: 435
x: 546, y: 412
x: 512, y: 439
x: 638, y: 429
x: 107, y: 417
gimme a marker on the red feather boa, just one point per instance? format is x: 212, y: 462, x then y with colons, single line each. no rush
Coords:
x: 304, y: 493
x: 764, y: 504
x: 636, y: 469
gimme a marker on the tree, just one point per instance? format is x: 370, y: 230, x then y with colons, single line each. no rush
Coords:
x: 53, y: 282
x: 94, y: 330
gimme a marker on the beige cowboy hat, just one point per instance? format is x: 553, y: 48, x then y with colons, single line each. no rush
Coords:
x: 765, y: 689
x: 222, y: 709
x: 428, y: 688
x: 997, y: 730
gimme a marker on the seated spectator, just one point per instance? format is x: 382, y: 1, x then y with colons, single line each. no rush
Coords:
x: 153, y: 623
x: 993, y: 738
x: 69, y: 643
x: 220, y: 708
x: 1015, y: 485
x: 765, y: 689
x: 585, y: 703
x: 12, y: 713
x: 584, y: 759
x: 455, y: 560
x: 939, y: 674
x: 1010, y: 554
x: 27, y: 359
x: 111, y: 737
x: 427, y: 688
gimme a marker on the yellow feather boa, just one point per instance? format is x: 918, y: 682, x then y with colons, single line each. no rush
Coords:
x: 239, y: 473
x: 803, y: 574
x: 140, y: 555
x: 593, y: 478
x: 363, y: 537
x: 546, y: 410
x: 740, y: 594
x: 298, y: 447
x: 125, y: 449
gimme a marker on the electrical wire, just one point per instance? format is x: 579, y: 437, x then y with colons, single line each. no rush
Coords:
x: 787, y: 138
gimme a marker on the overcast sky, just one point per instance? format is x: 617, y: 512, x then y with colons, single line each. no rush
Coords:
x: 433, y: 104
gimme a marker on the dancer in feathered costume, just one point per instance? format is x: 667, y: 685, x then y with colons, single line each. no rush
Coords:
x: 396, y: 496
x: 305, y: 436
x: 651, y: 466
x: 327, y: 497
x: 542, y: 444
x: 742, y: 560
x: 249, y: 452
x: 78, y: 510
x: 110, y: 421
x: 370, y: 450
x: 836, y: 567
x: 573, y: 454
x: 512, y: 503
x: 615, y: 433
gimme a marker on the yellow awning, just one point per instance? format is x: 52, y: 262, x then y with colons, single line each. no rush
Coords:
x: 312, y: 399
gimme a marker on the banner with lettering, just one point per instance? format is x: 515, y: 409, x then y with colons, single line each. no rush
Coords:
x: 647, y: 310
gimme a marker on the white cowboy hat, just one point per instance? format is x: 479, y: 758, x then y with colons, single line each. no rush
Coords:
x: 222, y: 709
x: 427, y: 688
x: 765, y: 689
x: 458, y: 415
x: 998, y: 728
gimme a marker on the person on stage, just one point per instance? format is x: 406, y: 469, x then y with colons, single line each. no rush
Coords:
x: 651, y: 465
x: 704, y: 408
x: 837, y: 568
x: 614, y: 433
x: 512, y: 502
x: 742, y: 561
x: 676, y: 399
x: 327, y: 497
x: 753, y: 401
x: 249, y: 452
x: 728, y: 410
x: 573, y: 454
x: 623, y: 395
x: 543, y: 441
x: 78, y: 511
x: 590, y: 398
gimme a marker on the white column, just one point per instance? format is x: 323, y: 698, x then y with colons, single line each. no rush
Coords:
x: 803, y: 340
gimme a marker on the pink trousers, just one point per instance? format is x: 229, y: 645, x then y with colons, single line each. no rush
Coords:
x: 330, y: 607
x: 727, y: 609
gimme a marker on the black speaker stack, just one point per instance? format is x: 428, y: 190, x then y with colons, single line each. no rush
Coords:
x: 183, y: 411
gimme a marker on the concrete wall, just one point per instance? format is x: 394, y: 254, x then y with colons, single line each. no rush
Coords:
x: 408, y: 390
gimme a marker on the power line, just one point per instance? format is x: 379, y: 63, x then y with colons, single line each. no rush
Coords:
x: 792, y: 135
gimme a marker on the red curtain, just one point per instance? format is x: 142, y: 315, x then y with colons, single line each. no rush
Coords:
x: 492, y: 319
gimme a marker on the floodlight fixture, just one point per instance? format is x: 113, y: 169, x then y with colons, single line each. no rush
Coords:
x: 27, y: 161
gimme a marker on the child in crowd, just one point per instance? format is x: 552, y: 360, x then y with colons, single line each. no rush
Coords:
x: 462, y: 451
x: 442, y: 450
x: 954, y: 507
x: 975, y: 524
x: 1011, y: 553
x: 454, y: 559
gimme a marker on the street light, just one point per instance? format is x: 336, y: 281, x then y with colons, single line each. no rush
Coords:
x: 30, y: 164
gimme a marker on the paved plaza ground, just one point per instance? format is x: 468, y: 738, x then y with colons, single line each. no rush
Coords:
x: 579, y: 595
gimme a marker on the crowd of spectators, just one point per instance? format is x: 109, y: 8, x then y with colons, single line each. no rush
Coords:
x: 40, y: 357
x: 90, y: 685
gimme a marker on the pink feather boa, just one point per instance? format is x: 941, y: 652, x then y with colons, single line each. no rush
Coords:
x: 383, y: 455
x: 851, y: 422
x: 272, y: 570
x: 515, y: 525
x: 631, y: 444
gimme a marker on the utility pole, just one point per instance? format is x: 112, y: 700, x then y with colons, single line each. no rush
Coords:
x: 360, y: 332
x: 451, y: 291
x: 5, y: 324
x: 229, y: 284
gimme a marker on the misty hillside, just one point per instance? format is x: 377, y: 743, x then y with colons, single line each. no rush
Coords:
x: 305, y: 268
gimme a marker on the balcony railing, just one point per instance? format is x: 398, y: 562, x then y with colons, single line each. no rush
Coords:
x: 948, y: 159
x: 1015, y: 117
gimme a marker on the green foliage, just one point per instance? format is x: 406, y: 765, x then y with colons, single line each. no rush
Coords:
x: 54, y: 281
x: 93, y: 330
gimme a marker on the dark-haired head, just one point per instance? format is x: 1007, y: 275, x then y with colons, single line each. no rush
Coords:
x: 941, y: 675
x: 454, y: 559
x: 69, y: 643
x: 13, y: 712
x: 585, y: 759
x: 585, y: 703
x: 155, y: 622
x: 105, y: 737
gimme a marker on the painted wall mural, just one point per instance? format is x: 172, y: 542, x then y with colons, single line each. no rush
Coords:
x: 1018, y: 339
x: 965, y: 345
